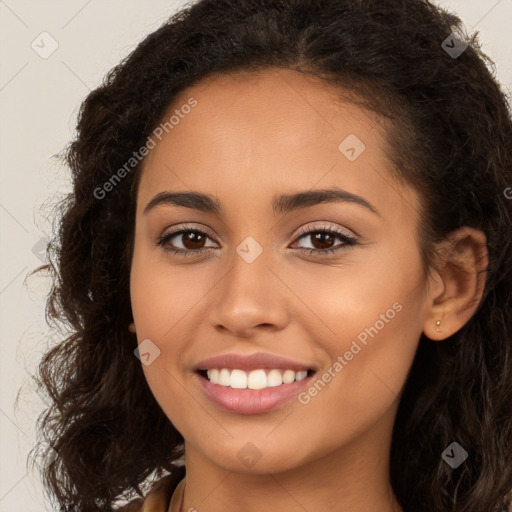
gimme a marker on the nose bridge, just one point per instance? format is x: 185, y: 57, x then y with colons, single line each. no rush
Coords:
x: 249, y: 294
x: 249, y: 266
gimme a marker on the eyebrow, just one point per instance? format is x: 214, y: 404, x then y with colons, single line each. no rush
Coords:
x: 283, y: 204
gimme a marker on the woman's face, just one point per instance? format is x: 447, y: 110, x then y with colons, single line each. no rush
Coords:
x: 259, y: 282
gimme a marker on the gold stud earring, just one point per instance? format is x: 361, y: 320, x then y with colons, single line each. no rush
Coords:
x: 438, y: 323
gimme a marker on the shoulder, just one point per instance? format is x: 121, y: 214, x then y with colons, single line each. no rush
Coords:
x: 159, y: 497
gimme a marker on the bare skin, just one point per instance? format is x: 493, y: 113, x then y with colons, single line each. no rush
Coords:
x: 250, y: 139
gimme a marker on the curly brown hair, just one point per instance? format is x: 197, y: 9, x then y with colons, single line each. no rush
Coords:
x: 449, y: 137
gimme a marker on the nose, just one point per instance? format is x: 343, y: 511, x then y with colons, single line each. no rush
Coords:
x: 250, y: 296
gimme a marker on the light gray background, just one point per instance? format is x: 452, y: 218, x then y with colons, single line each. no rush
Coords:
x: 39, y: 100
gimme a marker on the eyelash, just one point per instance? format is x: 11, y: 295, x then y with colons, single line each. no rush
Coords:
x: 347, y: 240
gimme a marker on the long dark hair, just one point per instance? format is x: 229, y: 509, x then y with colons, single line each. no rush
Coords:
x: 449, y: 135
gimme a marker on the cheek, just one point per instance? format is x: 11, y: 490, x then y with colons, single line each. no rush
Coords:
x: 361, y: 387
x: 163, y: 296
x: 340, y: 301
x: 370, y: 324
x: 163, y: 300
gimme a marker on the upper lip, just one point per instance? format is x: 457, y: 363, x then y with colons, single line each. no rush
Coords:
x: 251, y: 362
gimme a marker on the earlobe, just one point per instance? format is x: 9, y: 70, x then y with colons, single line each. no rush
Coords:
x: 131, y: 327
x: 434, y: 316
x: 456, y: 287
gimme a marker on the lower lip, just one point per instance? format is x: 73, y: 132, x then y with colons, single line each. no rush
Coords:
x: 251, y: 401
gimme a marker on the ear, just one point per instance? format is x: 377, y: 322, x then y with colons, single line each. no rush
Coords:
x: 131, y: 327
x: 456, y: 286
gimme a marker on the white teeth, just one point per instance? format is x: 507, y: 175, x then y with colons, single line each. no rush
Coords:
x: 238, y: 379
x: 301, y: 375
x: 224, y: 377
x: 256, y: 379
x: 288, y: 376
x: 213, y: 375
x: 274, y: 378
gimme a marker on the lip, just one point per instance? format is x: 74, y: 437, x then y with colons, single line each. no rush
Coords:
x: 251, y: 401
x: 252, y: 362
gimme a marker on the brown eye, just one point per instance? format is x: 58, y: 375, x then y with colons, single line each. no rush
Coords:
x: 192, y: 240
x: 324, y: 238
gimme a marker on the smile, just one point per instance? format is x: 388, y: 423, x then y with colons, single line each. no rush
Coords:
x: 255, y: 392
x: 256, y: 379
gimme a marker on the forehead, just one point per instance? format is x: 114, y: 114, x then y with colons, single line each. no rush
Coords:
x: 282, y: 109
x: 257, y: 132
